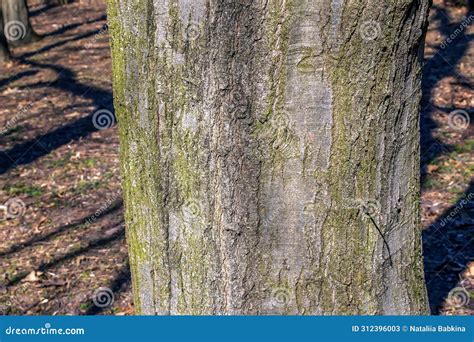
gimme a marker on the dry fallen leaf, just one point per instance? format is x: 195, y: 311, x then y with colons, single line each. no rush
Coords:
x: 38, y: 225
x: 33, y: 277
x: 470, y: 270
x: 431, y: 168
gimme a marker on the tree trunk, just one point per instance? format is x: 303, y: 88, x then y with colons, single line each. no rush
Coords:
x: 270, y: 154
x: 4, y: 51
x: 18, y: 29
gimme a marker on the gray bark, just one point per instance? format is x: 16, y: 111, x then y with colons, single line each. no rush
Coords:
x: 270, y: 154
x: 4, y: 51
x: 18, y: 29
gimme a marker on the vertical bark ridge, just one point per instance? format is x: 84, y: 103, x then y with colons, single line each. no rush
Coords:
x: 382, y: 159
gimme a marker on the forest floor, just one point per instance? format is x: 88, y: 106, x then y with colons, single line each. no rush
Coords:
x: 66, y: 253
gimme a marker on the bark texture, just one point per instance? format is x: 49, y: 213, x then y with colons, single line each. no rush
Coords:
x: 18, y: 29
x: 4, y: 51
x: 270, y: 154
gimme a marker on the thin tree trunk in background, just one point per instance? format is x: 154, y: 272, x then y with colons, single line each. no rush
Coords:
x: 270, y: 154
x: 18, y: 29
x: 4, y: 51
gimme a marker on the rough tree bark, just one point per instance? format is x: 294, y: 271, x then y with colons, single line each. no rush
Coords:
x: 18, y: 29
x: 4, y: 51
x: 270, y: 154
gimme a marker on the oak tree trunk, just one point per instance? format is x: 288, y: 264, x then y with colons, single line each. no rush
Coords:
x: 18, y: 29
x: 4, y: 51
x: 270, y: 154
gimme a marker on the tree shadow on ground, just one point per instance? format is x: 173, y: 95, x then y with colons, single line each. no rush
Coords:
x: 69, y: 27
x: 29, y: 151
x: 447, y: 243
x: 84, y: 248
x: 114, y: 208
x: 40, y: 10
x: 17, y: 77
x: 441, y: 65
x: 105, y: 230
x: 60, y: 43
x: 39, y: 253
x: 448, y: 249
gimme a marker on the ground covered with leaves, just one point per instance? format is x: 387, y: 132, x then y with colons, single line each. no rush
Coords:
x: 67, y: 251
x: 447, y: 158
x: 62, y: 240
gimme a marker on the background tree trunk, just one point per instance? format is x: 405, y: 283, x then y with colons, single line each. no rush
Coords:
x: 270, y: 154
x: 4, y: 51
x: 18, y: 29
